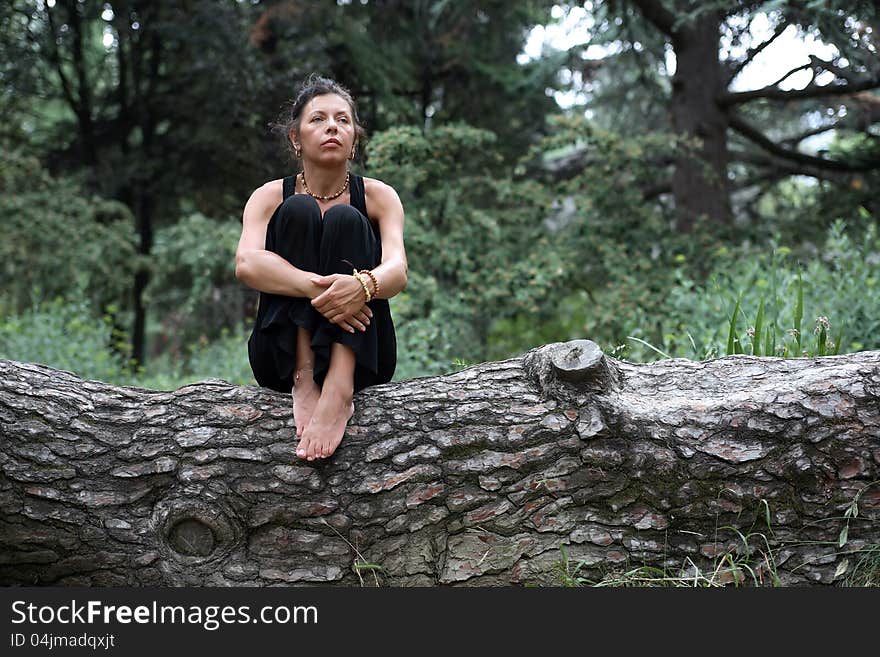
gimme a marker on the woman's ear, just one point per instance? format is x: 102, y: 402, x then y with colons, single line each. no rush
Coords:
x: 294, y: 142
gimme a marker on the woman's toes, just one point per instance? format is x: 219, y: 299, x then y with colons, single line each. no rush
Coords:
x: 302, y: 449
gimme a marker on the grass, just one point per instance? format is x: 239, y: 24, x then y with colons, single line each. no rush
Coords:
x: 761, y: 340
x: 866, y: 571
x: 736, y: 567
x: 789, y: 348
x: 750, y: 562
x: 360, y: 563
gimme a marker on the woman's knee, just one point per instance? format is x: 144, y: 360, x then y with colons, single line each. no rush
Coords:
x: 343, y: 217
x: 348, y: 237
x: 299, y: 210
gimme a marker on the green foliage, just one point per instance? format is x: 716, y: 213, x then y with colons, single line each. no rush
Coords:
x: 613, y: 253
x: 503, y: 258
x: 440, y: 62
x: 57, y: 239
x: 433, y: 329
x: 475, y: 237
x: 842, y: 284
x: 193, y: 285
x: 608, y: 190
x: 65, y: 334
x: 222, y: 358
x: 165, y: 114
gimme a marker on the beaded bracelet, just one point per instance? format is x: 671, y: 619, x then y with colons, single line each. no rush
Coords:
x: 372, y: 278
x: 363, y: 283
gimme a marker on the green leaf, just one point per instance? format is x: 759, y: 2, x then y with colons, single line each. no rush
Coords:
x: 844, y: 534
x: 799, y: 314
x: 731, y: 339
x: 837, y: 341
x: 759, y: 320
x: 766, y: 513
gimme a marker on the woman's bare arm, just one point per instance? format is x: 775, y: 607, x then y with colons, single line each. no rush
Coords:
x: 261, y: 269
x: 385, y: 205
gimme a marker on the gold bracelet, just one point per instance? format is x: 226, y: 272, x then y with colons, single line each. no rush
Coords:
x: 372, y: 278
x: 363, y: 285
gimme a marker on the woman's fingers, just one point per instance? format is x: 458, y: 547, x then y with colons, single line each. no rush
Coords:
x: 348, y: 320
x: 349, y: 324
x: 338, y: 317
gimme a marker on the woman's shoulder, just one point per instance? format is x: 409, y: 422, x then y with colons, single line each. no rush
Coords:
x: 269, y: 193
x: 271, y: 188
x: 265, y: 198
x: 378, y: 191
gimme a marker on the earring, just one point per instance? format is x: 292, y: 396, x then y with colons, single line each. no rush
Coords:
x: 352, y: 152
x: 298, y: 150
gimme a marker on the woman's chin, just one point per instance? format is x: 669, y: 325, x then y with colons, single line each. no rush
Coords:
x: 330, y: 158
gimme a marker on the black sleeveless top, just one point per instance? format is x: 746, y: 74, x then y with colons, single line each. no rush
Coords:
x: 357, y: 196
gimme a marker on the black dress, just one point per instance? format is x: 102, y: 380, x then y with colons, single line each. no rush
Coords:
x: 299, y: 234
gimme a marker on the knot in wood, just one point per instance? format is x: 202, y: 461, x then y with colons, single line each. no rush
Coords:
x: 193, y: 531
x: 191, y: 537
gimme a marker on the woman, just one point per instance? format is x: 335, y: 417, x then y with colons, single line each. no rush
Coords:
x: 325, y: 249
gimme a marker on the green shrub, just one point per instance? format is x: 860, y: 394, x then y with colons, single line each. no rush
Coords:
x: 841, y: 287
x: 57, y: 240
x: 476, y: 241
x: 65, y: 334
x: 193, y: 286
x: 223, y: 358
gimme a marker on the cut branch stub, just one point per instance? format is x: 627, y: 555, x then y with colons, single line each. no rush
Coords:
x: 580, y: 363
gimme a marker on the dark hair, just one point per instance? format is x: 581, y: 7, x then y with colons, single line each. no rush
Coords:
x: 313, y: 85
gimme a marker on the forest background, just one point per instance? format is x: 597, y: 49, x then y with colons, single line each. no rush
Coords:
x: 628, y: 189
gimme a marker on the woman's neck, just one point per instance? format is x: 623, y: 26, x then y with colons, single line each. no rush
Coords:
x: 324, y: 181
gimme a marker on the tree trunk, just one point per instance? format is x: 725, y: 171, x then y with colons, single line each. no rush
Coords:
x: 699, y: 183
x: 478, y: 477
x: 144, y: 221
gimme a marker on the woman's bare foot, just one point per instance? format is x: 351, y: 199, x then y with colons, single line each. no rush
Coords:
x: 305, y: 398
x: 324, y: 433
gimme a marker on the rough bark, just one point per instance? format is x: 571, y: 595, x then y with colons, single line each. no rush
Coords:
x: 477, y: 477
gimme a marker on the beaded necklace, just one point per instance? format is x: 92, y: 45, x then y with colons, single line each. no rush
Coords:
x: 329, y: 196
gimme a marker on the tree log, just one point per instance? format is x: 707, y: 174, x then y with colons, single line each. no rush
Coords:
x: 499, y: 474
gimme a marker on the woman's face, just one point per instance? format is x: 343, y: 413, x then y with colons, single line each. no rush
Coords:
x: 326, y: 130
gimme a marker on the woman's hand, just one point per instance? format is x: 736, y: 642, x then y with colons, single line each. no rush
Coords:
x: 342, y: 303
